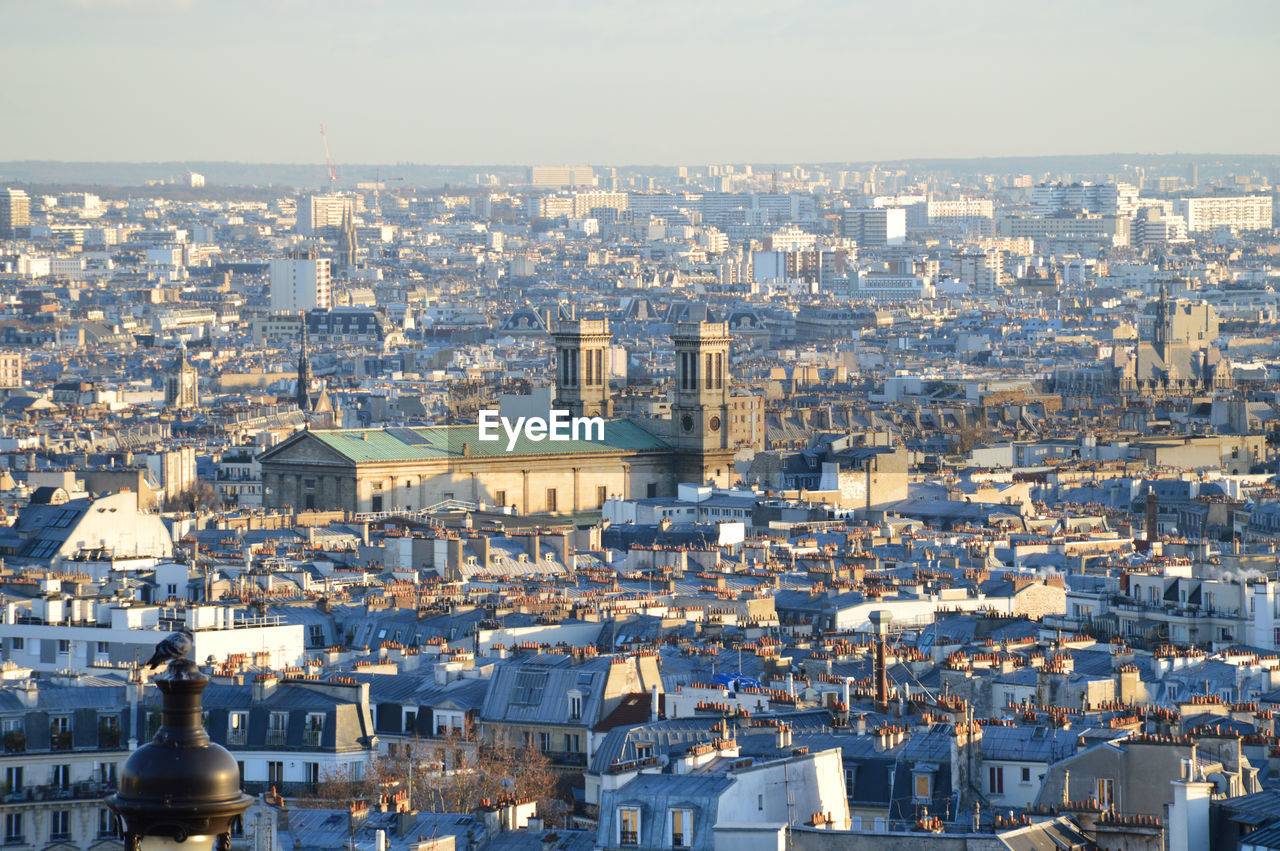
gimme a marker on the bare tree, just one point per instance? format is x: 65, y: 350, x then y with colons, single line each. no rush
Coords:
x: 453, y: 773
x: 202, y: 496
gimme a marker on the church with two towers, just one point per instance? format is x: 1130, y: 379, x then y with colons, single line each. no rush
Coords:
x: 406, y: 469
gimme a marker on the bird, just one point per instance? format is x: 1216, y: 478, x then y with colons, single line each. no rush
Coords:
x: 176, y: 646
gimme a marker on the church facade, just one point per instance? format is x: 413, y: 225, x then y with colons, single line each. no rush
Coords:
x: 406, y: 469
x: 1180, y: 358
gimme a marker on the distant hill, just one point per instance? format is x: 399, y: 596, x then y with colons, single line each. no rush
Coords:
x: 306, y: 176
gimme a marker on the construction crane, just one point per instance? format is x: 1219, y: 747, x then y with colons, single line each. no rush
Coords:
x: 377, y: 187
x: 328, y: 161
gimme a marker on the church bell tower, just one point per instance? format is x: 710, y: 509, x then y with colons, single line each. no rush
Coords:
x: 701, y: 408
x: 582, y: 372
x: 302, y: 395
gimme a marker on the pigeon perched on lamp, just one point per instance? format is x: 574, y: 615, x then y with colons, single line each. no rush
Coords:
x: 176, y: 646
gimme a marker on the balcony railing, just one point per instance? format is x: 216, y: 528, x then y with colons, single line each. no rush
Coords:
x: 567, y: 757
x: 108, y: 738
x: 237, y: 736
x: 275, y: 738
x: 84, y: 790
x: 311, y: 738
x: 60, y: 740
x: 15, y: 741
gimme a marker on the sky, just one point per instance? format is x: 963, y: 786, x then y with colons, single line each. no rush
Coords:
x: 663, y: 82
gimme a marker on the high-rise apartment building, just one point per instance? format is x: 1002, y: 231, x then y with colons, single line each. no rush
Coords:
x: 300, y: 283
x: 874, y: 226
x: 1241, y: 212
x: 15, y: 211
x: 569, y: 175
x: 585, y: 202
x: 317, y: 212
x: 962, y: 208
x: 1107, y: 199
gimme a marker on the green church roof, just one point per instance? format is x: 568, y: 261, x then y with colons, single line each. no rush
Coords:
x: 436, y: 442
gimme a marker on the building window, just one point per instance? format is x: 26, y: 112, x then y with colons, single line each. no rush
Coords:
x: 60, y: 776
x: 107, y: 824
x: 64, y: 645
x: 681, y: 828
x: 551, y: 500
x: 314, y: 728
x: 17, y: 643
x: 13, y: 828
x: 15, y: 735
x: 602, y: 494
x: 575, y: 707
x: 237, y: 728
x: 544, y: 742
x: 995, y: 779
x: 13, y: 778
x: 60, y: 825
x: 651, y: 490
x: 312, y: 772
x: 1026, y: 774
x: 628, y: 825
x: 500, y: 498
x: 760, y: 802
x: 275, y: 728
x: 1105, y: 788
x: 923, y: 787
x: 106, y: 772
x: 60, y: 733
x: 275, y: 772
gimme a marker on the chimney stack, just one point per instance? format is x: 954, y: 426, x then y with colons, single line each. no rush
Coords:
x: 880, y: 619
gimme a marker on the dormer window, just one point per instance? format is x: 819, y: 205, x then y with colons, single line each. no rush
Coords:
x: 681, y: 828
x: 922, y: 784
x: 575, y: 705
x: 628, y: 825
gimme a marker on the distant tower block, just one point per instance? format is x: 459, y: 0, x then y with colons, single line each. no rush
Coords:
x: 582, y: 376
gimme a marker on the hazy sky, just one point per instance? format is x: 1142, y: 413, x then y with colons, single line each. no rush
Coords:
x: 661, y: 81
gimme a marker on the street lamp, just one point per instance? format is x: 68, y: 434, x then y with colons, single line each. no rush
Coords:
x: 180, y: 790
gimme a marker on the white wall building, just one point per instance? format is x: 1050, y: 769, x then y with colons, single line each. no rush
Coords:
x: 1247, y: 212
x: 68, y: 634
x: 300, y: 284
x: 316, y: 212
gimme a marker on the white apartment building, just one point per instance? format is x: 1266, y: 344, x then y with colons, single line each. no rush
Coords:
x: 963, y: 208
x: 300, y: 284
x: 1108, y: 199
x: 894, y: 287
x: 70, y: 634
x: 1246, y: 212
x: 316, y: 212
x: 875, y: 226
x: 585, y: 202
